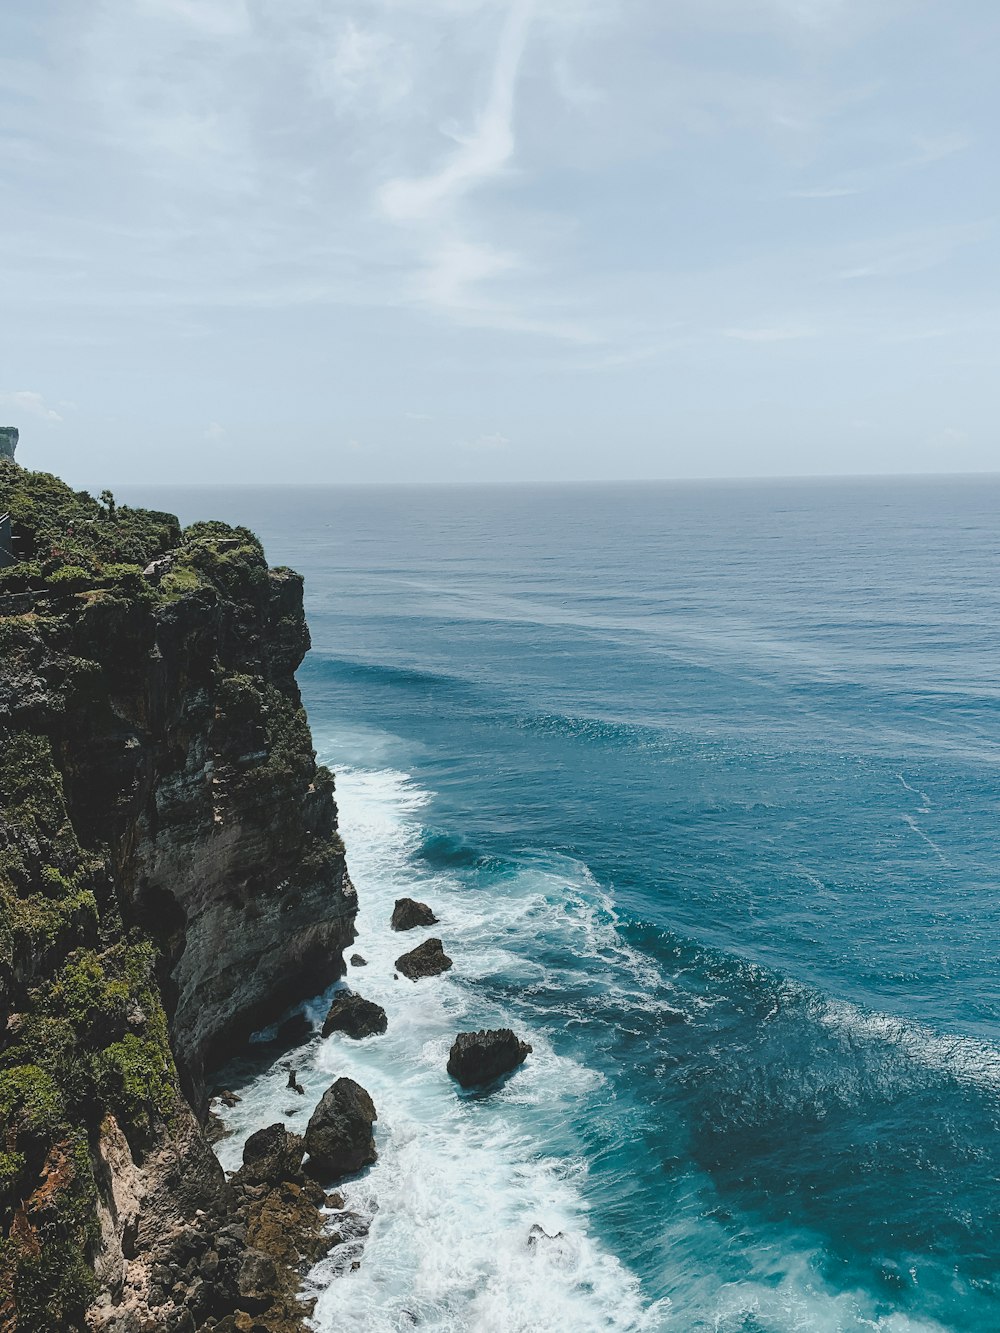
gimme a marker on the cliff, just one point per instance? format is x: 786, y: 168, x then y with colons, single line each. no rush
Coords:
x: 170, y: 878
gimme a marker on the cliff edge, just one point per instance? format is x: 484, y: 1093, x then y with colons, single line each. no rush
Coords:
x: 171, y: 877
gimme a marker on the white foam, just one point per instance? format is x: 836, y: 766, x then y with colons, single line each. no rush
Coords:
x: 966, y: 1059
x: 460, y: 1181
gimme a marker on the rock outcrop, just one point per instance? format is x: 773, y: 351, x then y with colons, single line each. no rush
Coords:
x: 408, y: 914
x: 339, y: 1137
x: 355, y: 1016
x: 478, y: 1058
x: 171, y: 876
x: 426, y: 960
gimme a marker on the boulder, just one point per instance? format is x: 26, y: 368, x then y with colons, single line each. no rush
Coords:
x: 339, y: 1138
x: 426, y: 960
x: 355, y: 1016
x: 358, y: 961
x: 480, y: 1057
x: 258, y: 1280
x: 271, y: 1156
x: 408, y: 914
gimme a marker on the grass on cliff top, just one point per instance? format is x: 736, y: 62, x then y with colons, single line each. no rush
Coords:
x: 66, y: 542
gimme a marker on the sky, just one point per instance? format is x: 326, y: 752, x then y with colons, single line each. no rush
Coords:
x: 499, y: 240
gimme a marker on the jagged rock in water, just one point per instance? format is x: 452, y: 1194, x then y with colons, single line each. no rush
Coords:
x: 339, y: 1138
x: 355, y: 1016
x: 408, y: 914
x: 538, y: 1234
x: 358, y: 961
x: 426, y: 960
x: 271, y: 1156
x: 478, y: 1058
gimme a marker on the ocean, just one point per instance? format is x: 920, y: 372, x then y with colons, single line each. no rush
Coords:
x: 702, y: 783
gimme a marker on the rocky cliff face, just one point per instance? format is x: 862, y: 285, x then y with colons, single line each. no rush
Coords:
x: 170, y: 877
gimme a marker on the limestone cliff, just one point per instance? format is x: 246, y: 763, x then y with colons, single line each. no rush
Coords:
x: 170, y: 877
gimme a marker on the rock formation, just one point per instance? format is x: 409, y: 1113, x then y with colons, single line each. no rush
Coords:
x: 171, y: 877
x: 426, y: 960
x: 355, y: 1016
x: 408, y: 914
x: 339, y: 1138
x: 478, y: 1058
x: 9, y: 436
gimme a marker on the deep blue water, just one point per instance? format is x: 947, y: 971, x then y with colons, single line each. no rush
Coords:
x: 704, y: 779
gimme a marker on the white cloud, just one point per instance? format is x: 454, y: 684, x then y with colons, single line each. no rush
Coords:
x: 480, y: 156
x: 487, y: 443
x: 825, y: 192
x: 769, y: 335
x: 215, y: 432
x: 29, y: 404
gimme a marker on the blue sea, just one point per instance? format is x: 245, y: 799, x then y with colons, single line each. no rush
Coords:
x: 703, y: 783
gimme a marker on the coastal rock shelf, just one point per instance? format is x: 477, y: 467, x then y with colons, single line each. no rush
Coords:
x: 172, y: 878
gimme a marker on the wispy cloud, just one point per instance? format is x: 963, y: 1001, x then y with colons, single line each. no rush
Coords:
x: 777, y: 334
x: 480, y: 156
x: 825, y: 192
x: 30, y: 404
x: 486, y: 443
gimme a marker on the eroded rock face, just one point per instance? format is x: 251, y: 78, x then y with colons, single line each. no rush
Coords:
x: 239, y: 827
x: 408, y: 914
x: 339, y: 1138
x: 355, y: 1016
x: 479, y: 1058
x: 172, y: 877
x: 426, y: 960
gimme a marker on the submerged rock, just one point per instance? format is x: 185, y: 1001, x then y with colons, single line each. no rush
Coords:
x: 339, y: 1138
x: 408, y: 914
x: 355, y: 1016
x: 480, y: 1057
x: 426, y: 960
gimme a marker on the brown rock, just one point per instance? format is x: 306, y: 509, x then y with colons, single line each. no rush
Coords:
x: 355, y: 1016
x: 339, y: 1138
x: 481, y: 1057
x: 426, y: 960
x: 408, y: 914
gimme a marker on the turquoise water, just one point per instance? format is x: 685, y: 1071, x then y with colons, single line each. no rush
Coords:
x: 703, y: 783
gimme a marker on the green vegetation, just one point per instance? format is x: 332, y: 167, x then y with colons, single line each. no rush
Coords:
x: 83, y: 1031
x: 71, y: 544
